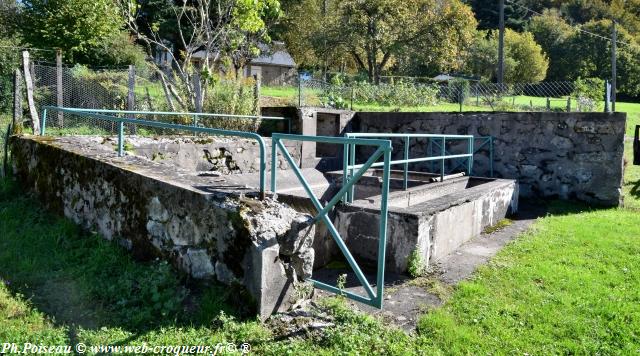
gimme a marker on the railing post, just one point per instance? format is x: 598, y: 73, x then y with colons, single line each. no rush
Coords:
x: 443, y: 153
x: 345, y: 163
x: 406, y: 165
x: 470, y: 158
x: 352, y: 162
x: 382, y: 244
x: 120, y: 139
x: 274, y: 159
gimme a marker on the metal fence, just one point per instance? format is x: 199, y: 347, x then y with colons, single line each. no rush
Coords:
x: 457, y: 95
x: 138, y: 89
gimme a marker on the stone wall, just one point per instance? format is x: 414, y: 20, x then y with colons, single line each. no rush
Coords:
x: 555, y: 155
x: 155, y: 211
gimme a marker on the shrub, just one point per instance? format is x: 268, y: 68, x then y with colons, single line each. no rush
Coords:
x: 589, y: 92
x: 415, y: 264
x: 399, y: 94
x: 234, y: 97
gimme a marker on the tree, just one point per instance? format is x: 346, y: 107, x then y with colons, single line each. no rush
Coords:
x: 375, y: 33
x: 487, y: 13
x: 212, y: 29
x: 592, y: 56
x: 88, y: 31
x: 525, y: 62
x: 443, y: 46
x: 306, y: 28
x: 553, y: 33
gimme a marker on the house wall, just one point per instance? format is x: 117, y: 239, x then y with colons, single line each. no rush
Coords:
x: 274, y: 75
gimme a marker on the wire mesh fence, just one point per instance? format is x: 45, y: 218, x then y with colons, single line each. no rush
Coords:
x: 455, y: 95
x: 140, y: 90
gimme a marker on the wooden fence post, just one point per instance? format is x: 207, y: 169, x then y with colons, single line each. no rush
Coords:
x: 35, y: 120
x: 17, y: 102
x: 59, y: 88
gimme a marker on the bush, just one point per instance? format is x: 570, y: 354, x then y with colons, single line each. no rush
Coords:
x: 399, y: 94
x: 234, y: 97
x: 588, y: 92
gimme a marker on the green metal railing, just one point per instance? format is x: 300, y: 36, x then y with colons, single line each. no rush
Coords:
x: 383, y: 150
x: 163, y: 125
x: 194, y: 115
x: 482, y: 140
x: 350, y: 154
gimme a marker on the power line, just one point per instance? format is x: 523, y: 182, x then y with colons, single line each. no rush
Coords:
x: 576, y: 27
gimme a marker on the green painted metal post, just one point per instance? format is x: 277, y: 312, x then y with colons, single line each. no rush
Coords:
x: 345, y: 163
x: 274, y: 159
x: 120, y: 138
x: 443, y: 152
x: 195, y: 120
x: 470, y: 158
x: 382, y: 244
x: 44, y: 122
x: 430, y: 148
x: 352, y: 162
x: 406, y: 165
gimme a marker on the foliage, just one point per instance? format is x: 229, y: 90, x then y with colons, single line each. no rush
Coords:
x: 398, y: 94
x: 376, y: 32
x: 593, y: 56
x: 87, y: 31
x: 487, y: 13
x: 415, y: 264
x: 228, y: 95
x: 442, y: 46
x: 201, y: 31
x: 9, y: 61
x: 460, y: 89
x: 525, y: 62
x: 306, y: 28
x: 589, y: 92
x: 552, y: 32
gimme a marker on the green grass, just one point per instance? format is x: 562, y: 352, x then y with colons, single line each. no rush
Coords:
x: 569, y: 286
x: 631, y: 187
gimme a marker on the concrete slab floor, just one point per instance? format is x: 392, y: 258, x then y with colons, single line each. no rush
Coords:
x: 405, y: 299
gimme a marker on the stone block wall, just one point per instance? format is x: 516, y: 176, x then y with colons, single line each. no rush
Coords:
x: 556, y: 155
x: 155, y: 211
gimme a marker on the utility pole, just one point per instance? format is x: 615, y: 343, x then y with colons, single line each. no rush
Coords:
x: 614, y: 69
x: 501, y: 46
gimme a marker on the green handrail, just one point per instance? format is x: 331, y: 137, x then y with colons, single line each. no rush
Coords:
x: 163, y: 125
x: 349, y: 165
x: 383, y: 149
x: 194, y: 115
